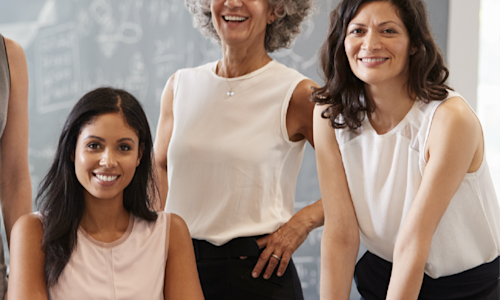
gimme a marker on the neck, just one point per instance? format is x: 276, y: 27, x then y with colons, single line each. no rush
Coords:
x: 392, y: 103
x: 105, y: 219
x: 238, y: 61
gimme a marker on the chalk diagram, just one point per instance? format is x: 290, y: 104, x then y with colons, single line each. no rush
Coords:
x: 57, y: 66
x: 113, y: 31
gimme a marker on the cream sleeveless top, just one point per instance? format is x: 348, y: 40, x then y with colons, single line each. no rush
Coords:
x: 130, y: 268
x: 384, y: 173
x: 231, y: 167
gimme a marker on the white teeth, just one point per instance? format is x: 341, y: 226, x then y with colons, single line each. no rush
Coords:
x: 234, y: 18
x: 106, y: 178
x: 373, y: 59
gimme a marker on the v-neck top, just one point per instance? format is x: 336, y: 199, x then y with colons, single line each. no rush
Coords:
x: 132, y: 267
x: 384, y: 173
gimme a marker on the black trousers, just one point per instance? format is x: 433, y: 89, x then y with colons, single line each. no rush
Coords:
x: 373, y: 273
x: 224, y: 276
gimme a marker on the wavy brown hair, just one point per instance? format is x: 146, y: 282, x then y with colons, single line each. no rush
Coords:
x: 344, y: 91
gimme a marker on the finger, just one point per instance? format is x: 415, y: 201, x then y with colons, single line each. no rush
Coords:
x: 273, y: 262
x: 261, y: 262
x: 262, y: 242
x: 285, y: 260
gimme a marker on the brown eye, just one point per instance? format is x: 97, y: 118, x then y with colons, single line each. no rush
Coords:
x: 93, y: 145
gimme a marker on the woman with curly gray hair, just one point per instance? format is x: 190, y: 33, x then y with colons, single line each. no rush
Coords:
x: 233, y: 132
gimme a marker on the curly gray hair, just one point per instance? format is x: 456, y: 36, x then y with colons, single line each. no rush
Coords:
x: 279, y: 34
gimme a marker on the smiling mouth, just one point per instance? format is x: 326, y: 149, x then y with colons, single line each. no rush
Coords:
x: 234, y: 19
x: 106, y: 178
x: 369, y: 60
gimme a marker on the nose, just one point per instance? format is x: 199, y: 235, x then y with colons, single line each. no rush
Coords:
x: 108, y: 159
x: 233, y: 3
x: 371, y: 41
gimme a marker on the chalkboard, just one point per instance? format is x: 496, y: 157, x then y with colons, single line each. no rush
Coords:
x: 73, y: 46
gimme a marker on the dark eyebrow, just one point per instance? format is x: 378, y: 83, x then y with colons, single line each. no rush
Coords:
x: 95, y: 137
x: 126, y: 139
x: 385, y: 23
x: 381, y: 24
x: 103, y: 140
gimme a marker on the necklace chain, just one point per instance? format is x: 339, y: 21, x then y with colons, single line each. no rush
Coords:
x: 230, y: 92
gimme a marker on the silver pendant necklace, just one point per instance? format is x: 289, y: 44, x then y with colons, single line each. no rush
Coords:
x: 230, y: 92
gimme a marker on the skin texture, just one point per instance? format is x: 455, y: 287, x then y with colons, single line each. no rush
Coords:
x: 454, y: 148
x: 105, y: 146
x: 15, y: 181
x: 243, y: 52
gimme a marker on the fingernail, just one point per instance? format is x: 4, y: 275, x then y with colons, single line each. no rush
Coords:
x: 266, y: 276
x: 279, y: 274
x: 254, y: 274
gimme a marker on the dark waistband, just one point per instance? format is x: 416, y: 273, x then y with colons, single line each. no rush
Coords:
x: 242, y: 246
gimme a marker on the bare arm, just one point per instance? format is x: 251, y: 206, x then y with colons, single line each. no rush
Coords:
x: 287, y: 239
x: 455, y: 147
x: 181, y: 274
x: 340, y: 241
x: 15, y: 181
x: 27, y: 278
x: 163, y: 135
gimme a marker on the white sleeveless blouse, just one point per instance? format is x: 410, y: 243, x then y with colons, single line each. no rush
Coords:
x: 130, y: 268
x: 231, y: 167
x: 384, y: 173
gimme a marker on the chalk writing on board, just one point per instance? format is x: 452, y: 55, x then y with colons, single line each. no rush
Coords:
x: 57, y: 67
x: 113, y: 31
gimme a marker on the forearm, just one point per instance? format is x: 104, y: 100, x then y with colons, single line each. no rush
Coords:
x: 162, y: 182
x: 338, y: 258
x: 15, y: 196
x: 407, y: 273
x: 311, y: 216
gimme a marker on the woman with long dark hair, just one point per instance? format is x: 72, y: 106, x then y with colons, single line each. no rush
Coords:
x: 96, y: 235
x: 401, y: 164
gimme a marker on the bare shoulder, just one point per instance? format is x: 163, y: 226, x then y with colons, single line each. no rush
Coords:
x: 28, y: 227
x: 303, y: 90
x: 178, y: 225
x: 14, y: 51
x: 456, y: 115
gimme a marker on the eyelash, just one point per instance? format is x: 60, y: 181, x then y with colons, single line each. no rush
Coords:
x: 96, y: 146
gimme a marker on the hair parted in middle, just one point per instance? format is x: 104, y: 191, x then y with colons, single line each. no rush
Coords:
x: 60, y: 198
x: 280, y: 34
x: 344, y: 91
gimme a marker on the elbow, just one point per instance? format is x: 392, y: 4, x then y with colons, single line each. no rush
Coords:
x: 345, y: 238
x: 412, y: 248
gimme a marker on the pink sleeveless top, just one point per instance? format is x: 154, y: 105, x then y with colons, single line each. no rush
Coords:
x: 132, y: 267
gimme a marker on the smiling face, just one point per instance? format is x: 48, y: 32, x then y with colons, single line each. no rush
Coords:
x: 241, y: 21
x: 377, y: 45
x: 106, y: 156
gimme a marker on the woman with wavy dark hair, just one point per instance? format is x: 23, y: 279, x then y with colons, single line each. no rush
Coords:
x: 96, y: 235
x: 401, y: 164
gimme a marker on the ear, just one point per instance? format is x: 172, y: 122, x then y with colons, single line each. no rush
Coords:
x: 139, y: 156
x: 274, y: 14
x: 413, y: 50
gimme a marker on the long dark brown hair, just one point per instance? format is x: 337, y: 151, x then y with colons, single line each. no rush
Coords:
x: 344, y: 91
x: 60, y: 198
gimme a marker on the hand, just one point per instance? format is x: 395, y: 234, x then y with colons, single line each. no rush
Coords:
x: 281, y: 243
